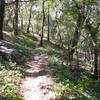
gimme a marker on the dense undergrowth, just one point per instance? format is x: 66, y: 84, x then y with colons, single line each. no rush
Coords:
x: 76, y: 85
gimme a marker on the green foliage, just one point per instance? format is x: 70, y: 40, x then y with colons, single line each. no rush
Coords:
x: 9, y: 80
x: 63, y: 24
x: 10, y: 73
x: 73, y: 84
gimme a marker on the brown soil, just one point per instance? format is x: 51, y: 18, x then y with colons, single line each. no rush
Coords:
x: 37, y: 84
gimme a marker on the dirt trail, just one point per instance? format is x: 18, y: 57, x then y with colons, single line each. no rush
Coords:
x: 37, y: 84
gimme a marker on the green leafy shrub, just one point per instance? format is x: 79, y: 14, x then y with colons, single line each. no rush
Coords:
x: 9, y: 80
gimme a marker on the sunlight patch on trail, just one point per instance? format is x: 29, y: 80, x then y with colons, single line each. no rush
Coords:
x: 37, y: 84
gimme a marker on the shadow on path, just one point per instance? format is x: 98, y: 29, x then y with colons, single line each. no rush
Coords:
x: 37, y: 84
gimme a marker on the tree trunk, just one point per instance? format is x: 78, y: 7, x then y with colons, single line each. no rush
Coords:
x: 38, y: 30
x: 22, y: 24
x: 42, y: 35
x: 76, y: 36
x: 16, y: 18
x: 30, y: 15
x: 2, y: 10
x: 77, y: 33
x: 95, y: 62
x: 48, y: 25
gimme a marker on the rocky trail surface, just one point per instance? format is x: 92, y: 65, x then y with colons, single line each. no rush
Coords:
x: 37, y: 84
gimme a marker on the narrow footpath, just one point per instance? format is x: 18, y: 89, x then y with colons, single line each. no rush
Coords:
x: 37, y: 84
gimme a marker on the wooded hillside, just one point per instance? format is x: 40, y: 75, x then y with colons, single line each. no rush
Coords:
x: 56, y: 41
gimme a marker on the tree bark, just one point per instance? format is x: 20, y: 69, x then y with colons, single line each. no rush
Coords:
x: 2, y: 10
x: 80, y: 20
x: 30, y: 15
x: 76, y: 36
x: 96, y: 62
x: 48, y: 24
x: 16, y: 18
x: 22, y: 24
x: 42, y: 35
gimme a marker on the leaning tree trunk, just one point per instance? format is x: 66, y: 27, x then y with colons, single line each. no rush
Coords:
x: 16, y: 18
x: 2, y: 10
x: 42, y: 35
x: 30, y: 15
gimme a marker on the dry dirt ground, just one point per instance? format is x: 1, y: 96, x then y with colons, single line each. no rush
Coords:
x: 37, y: 84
